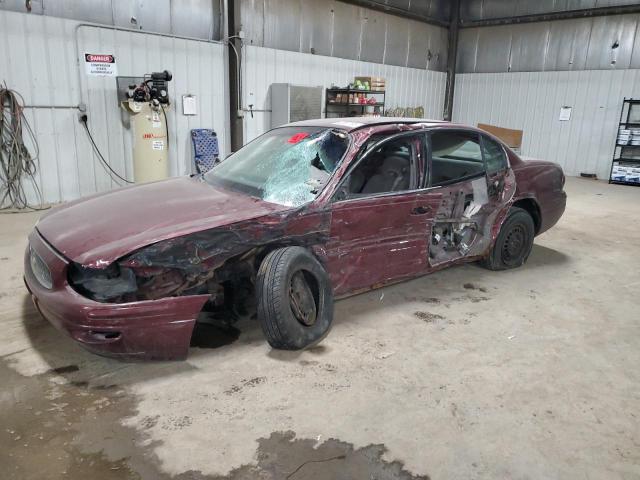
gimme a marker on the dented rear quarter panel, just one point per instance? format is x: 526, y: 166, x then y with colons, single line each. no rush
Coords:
x: 543, y: 182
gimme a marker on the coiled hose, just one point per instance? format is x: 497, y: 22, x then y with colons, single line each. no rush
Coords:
x: 17, y: 164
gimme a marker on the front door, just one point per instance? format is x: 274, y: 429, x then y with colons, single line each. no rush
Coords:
x: 380, y: 239
x: 380, y: 220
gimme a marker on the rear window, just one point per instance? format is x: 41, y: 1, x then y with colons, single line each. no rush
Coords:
x: 456, y: 146
x: 494, y: 155
x: 455, y: 156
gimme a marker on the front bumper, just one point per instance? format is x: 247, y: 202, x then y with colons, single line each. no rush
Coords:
x: 153, y: 329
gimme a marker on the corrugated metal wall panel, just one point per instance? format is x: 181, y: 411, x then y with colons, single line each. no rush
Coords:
x: 432, y: 8
x: 44, y: 71
x: 397, y: 41
x: 531, y: 102
x: 282, y: 24
x: 346, y: 31
x: 492, y: 52
x: 99, y: 11
x: 578, y: 44
x: 419, y: 44
x: 338, y: 29
x: 314, y: 34
x: 189, y: 18
x: 196, y: 18
x: 406, y: 87
x: 373, y: 38
x: 528, y: 49
x: 485, y: 9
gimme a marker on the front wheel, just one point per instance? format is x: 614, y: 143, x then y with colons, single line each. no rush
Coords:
x: 295, y: 299
x: 514, y: 242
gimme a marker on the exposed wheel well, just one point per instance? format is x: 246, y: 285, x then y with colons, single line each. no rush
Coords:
x: 533, y: 209
x: 232, y: 295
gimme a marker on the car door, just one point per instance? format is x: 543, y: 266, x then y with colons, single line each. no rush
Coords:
x: 380, y: 218
x: 500, y: 177
x: 456, y: 169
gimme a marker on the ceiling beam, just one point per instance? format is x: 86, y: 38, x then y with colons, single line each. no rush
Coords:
x: 399, y: 12
x: 547, y: 17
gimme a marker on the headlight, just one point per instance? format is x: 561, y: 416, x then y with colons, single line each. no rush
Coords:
x: 102, y: 284
x: 40, y: 269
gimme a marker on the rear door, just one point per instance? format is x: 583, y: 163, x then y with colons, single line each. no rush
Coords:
x: 380, y: 219
x: 456, y: 169
x: 500, y: 177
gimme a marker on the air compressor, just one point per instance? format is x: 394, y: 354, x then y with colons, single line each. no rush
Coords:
x: 147, y: 104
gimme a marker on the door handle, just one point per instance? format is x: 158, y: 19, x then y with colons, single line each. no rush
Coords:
x: 421, y: 210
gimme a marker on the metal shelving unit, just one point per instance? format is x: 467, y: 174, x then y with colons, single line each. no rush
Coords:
x: 626, y: 152
x: 343, y: 109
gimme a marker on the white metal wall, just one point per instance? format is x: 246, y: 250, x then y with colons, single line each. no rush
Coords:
x: 531, y: 101
x: 38, y: 59
x: 406, y: 87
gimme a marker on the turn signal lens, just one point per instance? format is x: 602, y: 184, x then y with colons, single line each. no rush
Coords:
x: 40, y: 269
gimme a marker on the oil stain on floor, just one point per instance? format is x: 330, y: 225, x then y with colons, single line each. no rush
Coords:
x: 60, y: 426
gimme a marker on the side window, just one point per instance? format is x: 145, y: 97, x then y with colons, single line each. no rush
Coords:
x: 371, y: 141
x: 454, y: 156
x: 494, y: 155
x: 387, y: 168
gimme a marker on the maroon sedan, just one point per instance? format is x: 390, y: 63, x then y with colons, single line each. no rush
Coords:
x: 303, y: 214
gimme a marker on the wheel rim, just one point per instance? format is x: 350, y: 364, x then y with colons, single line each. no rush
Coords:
x: 301, y: 299
x: 514, y: 246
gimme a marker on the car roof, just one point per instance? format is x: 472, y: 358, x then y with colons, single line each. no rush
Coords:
x: 353, y: 123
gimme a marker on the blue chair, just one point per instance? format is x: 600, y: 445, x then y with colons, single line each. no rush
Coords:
x: 205, y: 149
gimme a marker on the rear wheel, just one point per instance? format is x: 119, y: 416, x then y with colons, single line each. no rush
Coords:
x: 295, y: 299
x: 514, y: 242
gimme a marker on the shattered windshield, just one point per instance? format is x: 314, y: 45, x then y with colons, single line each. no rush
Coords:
x: 288, y: 165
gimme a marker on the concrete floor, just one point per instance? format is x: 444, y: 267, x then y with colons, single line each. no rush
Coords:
x: 530, y: 373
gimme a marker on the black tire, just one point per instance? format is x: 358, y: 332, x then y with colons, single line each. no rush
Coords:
x: 514, y: 242
x: 292, y: 280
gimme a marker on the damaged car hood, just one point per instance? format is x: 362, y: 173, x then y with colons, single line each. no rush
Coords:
x: 97, y: 230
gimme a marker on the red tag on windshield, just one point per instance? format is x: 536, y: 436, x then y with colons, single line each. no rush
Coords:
x: 297, y: 137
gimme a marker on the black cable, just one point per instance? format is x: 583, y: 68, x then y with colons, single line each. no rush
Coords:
x: 17, y: 164
x: 110, y: 170
x: 166, y: 127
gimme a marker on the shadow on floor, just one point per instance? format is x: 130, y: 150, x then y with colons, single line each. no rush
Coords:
x: 545, y: 257
x: 213, y: 336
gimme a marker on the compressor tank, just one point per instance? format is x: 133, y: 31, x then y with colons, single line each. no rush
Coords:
x: 150, y: 142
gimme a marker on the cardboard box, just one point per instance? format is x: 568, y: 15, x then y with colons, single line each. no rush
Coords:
x: 375, y: 83
x: 513, y: 138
